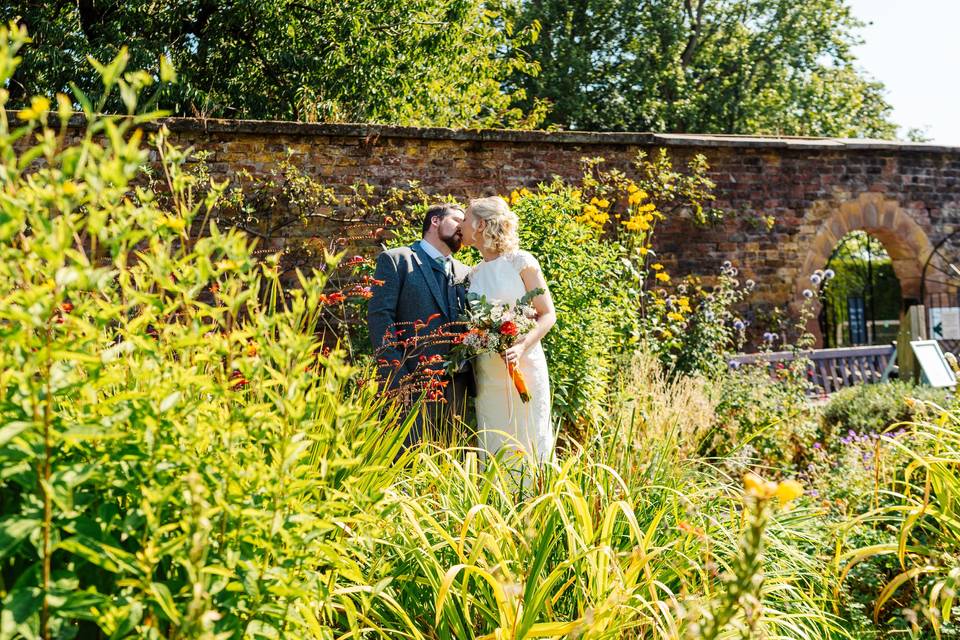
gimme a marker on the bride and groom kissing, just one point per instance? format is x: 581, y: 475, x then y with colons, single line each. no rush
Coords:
x: 424, y: 287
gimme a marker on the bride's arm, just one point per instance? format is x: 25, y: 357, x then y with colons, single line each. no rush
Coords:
x: 546, y: 314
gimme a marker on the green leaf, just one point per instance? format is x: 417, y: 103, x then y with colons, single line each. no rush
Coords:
x: 13, y: 530
x: 11, y: 430
x: 101, y: 554
x: 167, y: 72
x: 20, y: 613
x: 162, y: 596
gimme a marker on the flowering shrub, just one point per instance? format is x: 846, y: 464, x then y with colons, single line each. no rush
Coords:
x: 591, y: 289
x: 872, y: 408
x: 694, y: 328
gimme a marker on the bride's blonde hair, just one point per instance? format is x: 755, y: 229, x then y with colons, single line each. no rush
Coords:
x: 500, y: 232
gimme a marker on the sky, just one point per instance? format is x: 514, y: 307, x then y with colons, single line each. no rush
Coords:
x: 913, y: 47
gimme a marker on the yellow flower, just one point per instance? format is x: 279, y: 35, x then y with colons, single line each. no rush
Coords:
x: 757, y: 487
x: 634, y: 198
x: 632, y: 188
x: 603, y: 204
x: 39, y: 105
x: 684, y: 304
x: 676, y: 317
x: 788, y: 491
x: 667, y: 334
x: 656, y: 266
x: 663, y: 277
x: 644, y: 251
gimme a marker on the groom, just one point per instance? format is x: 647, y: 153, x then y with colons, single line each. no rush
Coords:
x: 423, y: 285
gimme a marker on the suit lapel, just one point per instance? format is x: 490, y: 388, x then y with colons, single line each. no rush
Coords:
x: 458, y: 293
x: 425, y: 263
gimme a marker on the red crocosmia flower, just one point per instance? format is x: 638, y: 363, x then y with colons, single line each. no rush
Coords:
x: 238, y: 380
x: 433, y: 317
x: 336, y: 298
x: 508, y: 329
x: 66, y: 307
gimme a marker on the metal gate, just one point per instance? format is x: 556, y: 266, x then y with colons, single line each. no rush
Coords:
x: 860, y: 294
x: 940, y: 292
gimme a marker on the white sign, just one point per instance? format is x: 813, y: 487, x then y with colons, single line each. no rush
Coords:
x: 944, y: 323
x: 936, y: 370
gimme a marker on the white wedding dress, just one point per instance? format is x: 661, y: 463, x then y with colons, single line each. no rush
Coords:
x: 504, y: 421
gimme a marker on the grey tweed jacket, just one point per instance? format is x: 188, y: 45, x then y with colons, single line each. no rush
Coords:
x: 411, y: 292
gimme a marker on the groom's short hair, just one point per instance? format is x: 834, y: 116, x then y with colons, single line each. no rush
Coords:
x: 440, y: 211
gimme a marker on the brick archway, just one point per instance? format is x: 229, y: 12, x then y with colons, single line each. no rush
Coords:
x: 904, y: 240
x: 884, y: 219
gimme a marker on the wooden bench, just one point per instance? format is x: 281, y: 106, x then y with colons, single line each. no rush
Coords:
x: 834, y: 369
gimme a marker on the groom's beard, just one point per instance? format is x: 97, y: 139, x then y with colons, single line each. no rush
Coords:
x: 454, y: 241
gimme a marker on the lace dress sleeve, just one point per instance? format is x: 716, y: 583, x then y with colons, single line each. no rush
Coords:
x: 523, y: 260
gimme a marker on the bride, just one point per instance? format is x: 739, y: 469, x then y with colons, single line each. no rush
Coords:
x: 506, y: 274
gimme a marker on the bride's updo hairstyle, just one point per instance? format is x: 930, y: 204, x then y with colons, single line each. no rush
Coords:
x: 500, y: 232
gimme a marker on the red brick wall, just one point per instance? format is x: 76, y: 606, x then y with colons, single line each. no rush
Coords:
x: 816, y: 190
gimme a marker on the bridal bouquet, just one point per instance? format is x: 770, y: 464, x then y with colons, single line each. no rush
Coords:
x: 494, y: 327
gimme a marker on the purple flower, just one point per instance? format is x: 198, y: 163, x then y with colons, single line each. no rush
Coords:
x: 817, y: 445
x: 739, y: 325
x: 807, y: 294
x: 815, y: 279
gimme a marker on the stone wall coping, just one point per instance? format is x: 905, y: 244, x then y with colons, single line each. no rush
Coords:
x: 372, y: 132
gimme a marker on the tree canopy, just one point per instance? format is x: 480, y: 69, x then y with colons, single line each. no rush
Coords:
x: 416, y: 62
x: 725, y: 66
x: 706, y: 66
